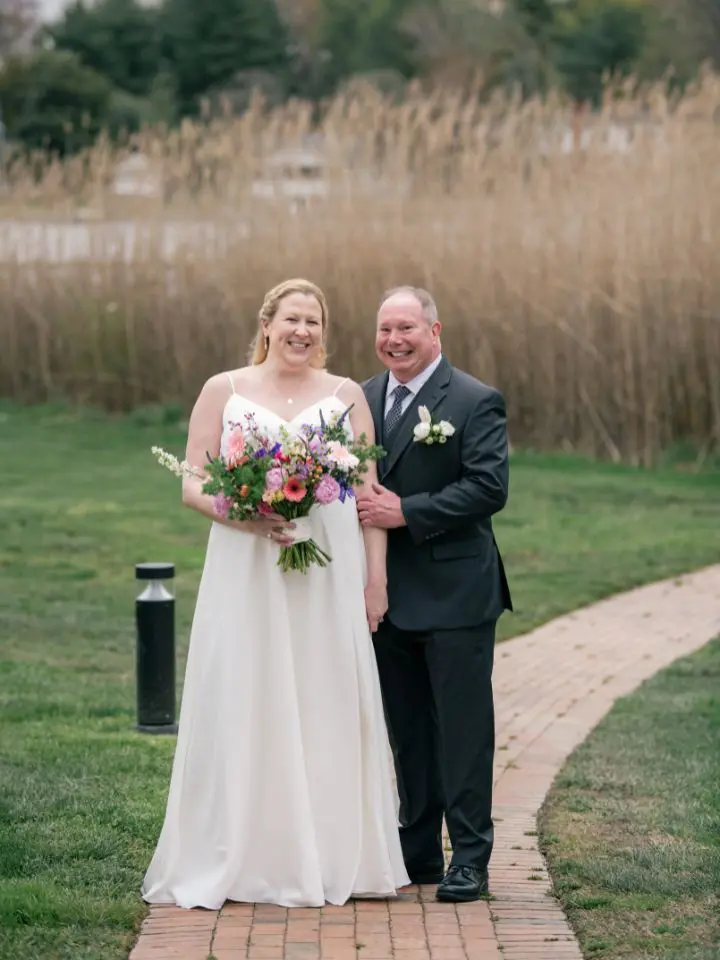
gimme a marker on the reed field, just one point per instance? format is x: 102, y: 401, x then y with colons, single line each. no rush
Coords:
x: 584, y: 283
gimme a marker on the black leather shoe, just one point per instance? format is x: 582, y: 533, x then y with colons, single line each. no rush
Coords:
x: 462, y: 884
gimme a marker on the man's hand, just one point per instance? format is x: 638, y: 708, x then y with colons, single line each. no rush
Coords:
x: 379, y: 507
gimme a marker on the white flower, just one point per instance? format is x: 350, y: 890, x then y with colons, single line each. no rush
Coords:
x: 341, y: 456
x: 295, y: 448
x: 428, y: 432
x: 171, y: 463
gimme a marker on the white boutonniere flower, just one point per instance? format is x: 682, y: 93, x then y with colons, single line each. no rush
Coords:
x: 430, y: 431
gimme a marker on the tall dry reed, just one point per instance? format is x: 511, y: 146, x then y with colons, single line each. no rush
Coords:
x: 585, y: 285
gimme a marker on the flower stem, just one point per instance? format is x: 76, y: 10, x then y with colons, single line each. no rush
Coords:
x: 301, y: 556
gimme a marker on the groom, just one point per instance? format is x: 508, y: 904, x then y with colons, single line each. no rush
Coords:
x: 446, y: 589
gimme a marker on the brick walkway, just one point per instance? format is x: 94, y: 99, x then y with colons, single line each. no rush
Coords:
x: 551, y: 687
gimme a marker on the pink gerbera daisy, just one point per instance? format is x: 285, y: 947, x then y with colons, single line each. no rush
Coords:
x: 293, y: 490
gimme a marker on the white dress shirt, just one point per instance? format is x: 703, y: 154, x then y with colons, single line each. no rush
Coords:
x: 414, y: 385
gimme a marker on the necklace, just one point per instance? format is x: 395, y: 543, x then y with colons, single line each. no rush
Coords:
x: 289, y: 400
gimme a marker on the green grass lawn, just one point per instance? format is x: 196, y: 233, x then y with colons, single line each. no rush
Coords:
x: 81, y: 794
x: 632, y: 825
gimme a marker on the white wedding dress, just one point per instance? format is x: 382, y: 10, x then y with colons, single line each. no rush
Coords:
x: 282, y: 788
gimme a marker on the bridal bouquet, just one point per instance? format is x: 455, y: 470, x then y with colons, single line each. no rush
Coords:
x: 286, y: 475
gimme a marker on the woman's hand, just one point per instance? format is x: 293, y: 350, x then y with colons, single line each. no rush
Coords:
x: 376, y: 604
x: 271, y: 527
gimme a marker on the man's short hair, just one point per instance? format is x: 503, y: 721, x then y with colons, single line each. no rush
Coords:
x: 428, y: 305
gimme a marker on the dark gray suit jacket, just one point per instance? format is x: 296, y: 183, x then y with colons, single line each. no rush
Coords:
x: 444, y: 567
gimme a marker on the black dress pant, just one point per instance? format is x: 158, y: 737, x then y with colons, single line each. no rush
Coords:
x: 437, y: 694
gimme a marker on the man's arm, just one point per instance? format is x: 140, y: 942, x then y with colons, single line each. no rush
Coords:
x: 481, y: 491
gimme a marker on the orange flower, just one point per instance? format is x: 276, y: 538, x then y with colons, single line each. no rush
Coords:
x: 294, y: 491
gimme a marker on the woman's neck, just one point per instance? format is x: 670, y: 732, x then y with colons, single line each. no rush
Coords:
x: 286, y: 374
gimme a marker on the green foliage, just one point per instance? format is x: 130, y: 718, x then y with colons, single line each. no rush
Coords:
x: 593, y: 38
x: 126, y: 113
x: 51, y: 101
x: 163, y: 98
x: 237, y: 92
x: 207, y: 43
x: 118, y: 38
x: 531, y: 44
x: 701, y: 20
x: 631, y: 825
x: 536, y: 16
x: 363, y: 38
x: 163, y: 61
x: 671, y: 47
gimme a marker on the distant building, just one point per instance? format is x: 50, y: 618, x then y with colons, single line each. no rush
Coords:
x: 137, y: 176
x: 293, y: 174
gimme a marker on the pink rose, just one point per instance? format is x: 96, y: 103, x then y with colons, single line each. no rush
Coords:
x: 221, y: 505
x: 274, y: 479
x: 327, y: 490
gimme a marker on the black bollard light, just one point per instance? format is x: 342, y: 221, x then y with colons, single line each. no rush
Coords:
x: 155, y: 652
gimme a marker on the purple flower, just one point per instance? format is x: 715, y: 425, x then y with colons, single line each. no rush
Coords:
x: 221, y: 505
x: 274, y: 479
x: 346, y: 490
x: 327, y: 490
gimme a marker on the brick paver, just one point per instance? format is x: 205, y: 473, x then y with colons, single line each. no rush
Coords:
x: 551, y: 687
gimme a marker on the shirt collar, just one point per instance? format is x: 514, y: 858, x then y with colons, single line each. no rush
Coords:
x: 418, y: 382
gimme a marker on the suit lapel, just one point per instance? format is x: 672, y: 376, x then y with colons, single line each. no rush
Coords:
x: 429, y: 396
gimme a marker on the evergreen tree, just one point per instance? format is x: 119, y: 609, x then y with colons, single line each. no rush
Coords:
x: 596, y: 37
x: 51, y: 101
x: 362, y: 36
x: 117, y: 38
x: 207, y: 42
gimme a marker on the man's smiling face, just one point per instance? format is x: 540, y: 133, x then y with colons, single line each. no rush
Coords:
x: 405, y: 342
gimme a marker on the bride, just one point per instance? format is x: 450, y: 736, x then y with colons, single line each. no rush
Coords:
x: 281, y: 789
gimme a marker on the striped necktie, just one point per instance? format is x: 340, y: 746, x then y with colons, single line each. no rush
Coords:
x: 395, y: 412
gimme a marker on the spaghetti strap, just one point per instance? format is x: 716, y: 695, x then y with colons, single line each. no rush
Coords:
x: 231, y: 381
x: 341, y: 384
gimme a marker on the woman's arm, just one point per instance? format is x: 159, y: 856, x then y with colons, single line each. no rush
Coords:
x: 204, y: 433
x: 374, y: 537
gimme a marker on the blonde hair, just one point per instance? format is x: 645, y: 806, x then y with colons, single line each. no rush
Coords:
x: 273, y: 298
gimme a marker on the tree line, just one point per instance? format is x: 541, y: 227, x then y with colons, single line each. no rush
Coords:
x: 119, y: 64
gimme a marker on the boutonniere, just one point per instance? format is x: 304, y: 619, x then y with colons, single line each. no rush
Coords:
x: 430, y: 431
